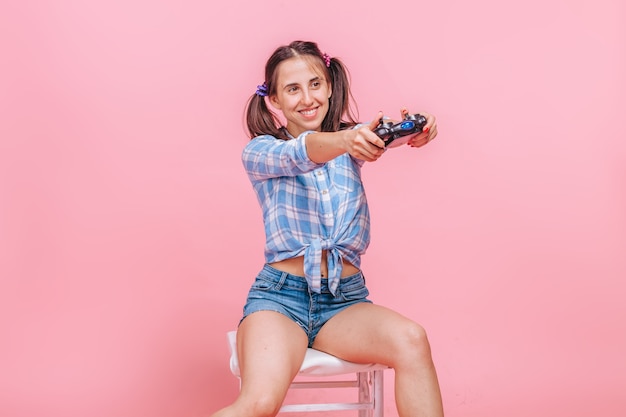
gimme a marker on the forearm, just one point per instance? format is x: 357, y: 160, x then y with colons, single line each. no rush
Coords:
x: 323, y: 146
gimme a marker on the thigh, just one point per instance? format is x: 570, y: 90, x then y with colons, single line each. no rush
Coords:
x: 366, y: 333
x: 271, y: 348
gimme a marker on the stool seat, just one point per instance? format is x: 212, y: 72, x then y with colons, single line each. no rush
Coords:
x: 368, y: 381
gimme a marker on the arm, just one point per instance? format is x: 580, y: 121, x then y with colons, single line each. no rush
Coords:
x: 361, y: 143
x: 268, y: 157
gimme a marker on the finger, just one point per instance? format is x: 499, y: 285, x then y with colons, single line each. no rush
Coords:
x: 420, y: 139
x: 433, y: 133
x: 423, y: 138
x: 418, y: 143
x: 430, y: 120
x: 376, y: 141
x: 367, y: 144
x: 371, y: 154
x: 374, y: 123
x: 370, y: 136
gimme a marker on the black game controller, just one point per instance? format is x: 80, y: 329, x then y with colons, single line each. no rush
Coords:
x: 390, y: 132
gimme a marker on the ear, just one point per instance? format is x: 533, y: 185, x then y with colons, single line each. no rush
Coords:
x: 274, y: 102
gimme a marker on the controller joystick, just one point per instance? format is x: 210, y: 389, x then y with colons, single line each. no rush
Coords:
x: 390, y: 132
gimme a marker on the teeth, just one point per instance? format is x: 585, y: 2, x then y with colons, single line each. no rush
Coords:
x: 308, y: 112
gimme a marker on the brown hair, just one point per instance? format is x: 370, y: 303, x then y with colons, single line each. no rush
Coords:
x: 262, y: 121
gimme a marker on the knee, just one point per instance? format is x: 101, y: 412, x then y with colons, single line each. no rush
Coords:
x: 412, y: 344
x: 266, y: 406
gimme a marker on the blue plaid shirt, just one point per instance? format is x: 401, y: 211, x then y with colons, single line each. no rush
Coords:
x: 309, y: 207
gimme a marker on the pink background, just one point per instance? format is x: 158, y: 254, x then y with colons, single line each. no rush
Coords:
x: 129, y: 233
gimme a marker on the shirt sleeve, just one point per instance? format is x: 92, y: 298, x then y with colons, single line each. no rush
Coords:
x: 267, y: 157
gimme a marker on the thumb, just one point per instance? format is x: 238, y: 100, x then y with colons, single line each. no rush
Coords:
x: 374, y: 123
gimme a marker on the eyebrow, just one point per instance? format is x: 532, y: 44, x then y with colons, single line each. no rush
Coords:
x: 311, y: 80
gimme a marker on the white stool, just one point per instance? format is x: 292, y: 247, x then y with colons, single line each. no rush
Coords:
x: 369, y: 381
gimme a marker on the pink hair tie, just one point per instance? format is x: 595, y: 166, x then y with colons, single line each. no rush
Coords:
x: 326, y: 59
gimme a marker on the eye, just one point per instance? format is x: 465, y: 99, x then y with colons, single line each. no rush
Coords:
x: 316, y: 84
x: 292, y: 89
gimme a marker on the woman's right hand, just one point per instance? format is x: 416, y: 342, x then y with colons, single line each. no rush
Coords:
x: 363, y: 143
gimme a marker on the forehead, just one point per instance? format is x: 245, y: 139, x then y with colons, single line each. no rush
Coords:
x: 300, y: 69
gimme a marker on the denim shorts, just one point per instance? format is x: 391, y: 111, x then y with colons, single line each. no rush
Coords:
x: 278, y: 291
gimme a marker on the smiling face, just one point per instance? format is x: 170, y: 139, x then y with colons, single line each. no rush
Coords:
x: 302, y: 93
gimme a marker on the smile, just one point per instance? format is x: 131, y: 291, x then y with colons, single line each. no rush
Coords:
x: 308, y: 112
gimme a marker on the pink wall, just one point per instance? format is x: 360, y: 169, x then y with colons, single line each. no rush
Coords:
x: 129, y: 233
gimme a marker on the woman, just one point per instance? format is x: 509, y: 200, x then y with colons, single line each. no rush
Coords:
x: 311, y: 292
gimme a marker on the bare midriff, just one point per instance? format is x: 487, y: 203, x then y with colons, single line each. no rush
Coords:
x: 295, y: 266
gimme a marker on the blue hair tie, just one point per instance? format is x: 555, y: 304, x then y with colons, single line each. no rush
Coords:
x: 261, y: 90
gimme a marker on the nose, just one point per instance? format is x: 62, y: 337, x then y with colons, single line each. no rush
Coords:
x: 307, y: 97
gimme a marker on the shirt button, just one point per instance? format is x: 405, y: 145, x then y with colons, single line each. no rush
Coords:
x: 325, y: 192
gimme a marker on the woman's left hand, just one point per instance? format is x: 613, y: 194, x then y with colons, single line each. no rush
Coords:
x: 428, y: 133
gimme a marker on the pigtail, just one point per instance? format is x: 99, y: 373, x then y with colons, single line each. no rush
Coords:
x: 340, y: 113
x: 260, y: 120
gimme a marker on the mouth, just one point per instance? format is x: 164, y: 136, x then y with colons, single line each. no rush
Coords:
x: 308, y: 112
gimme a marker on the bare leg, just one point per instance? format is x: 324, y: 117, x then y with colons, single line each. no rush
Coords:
x: 370, y: 333
x: 271, y: 348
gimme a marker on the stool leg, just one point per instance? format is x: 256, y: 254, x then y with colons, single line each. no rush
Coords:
x: 365, y: 394
x: 378, y: 388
